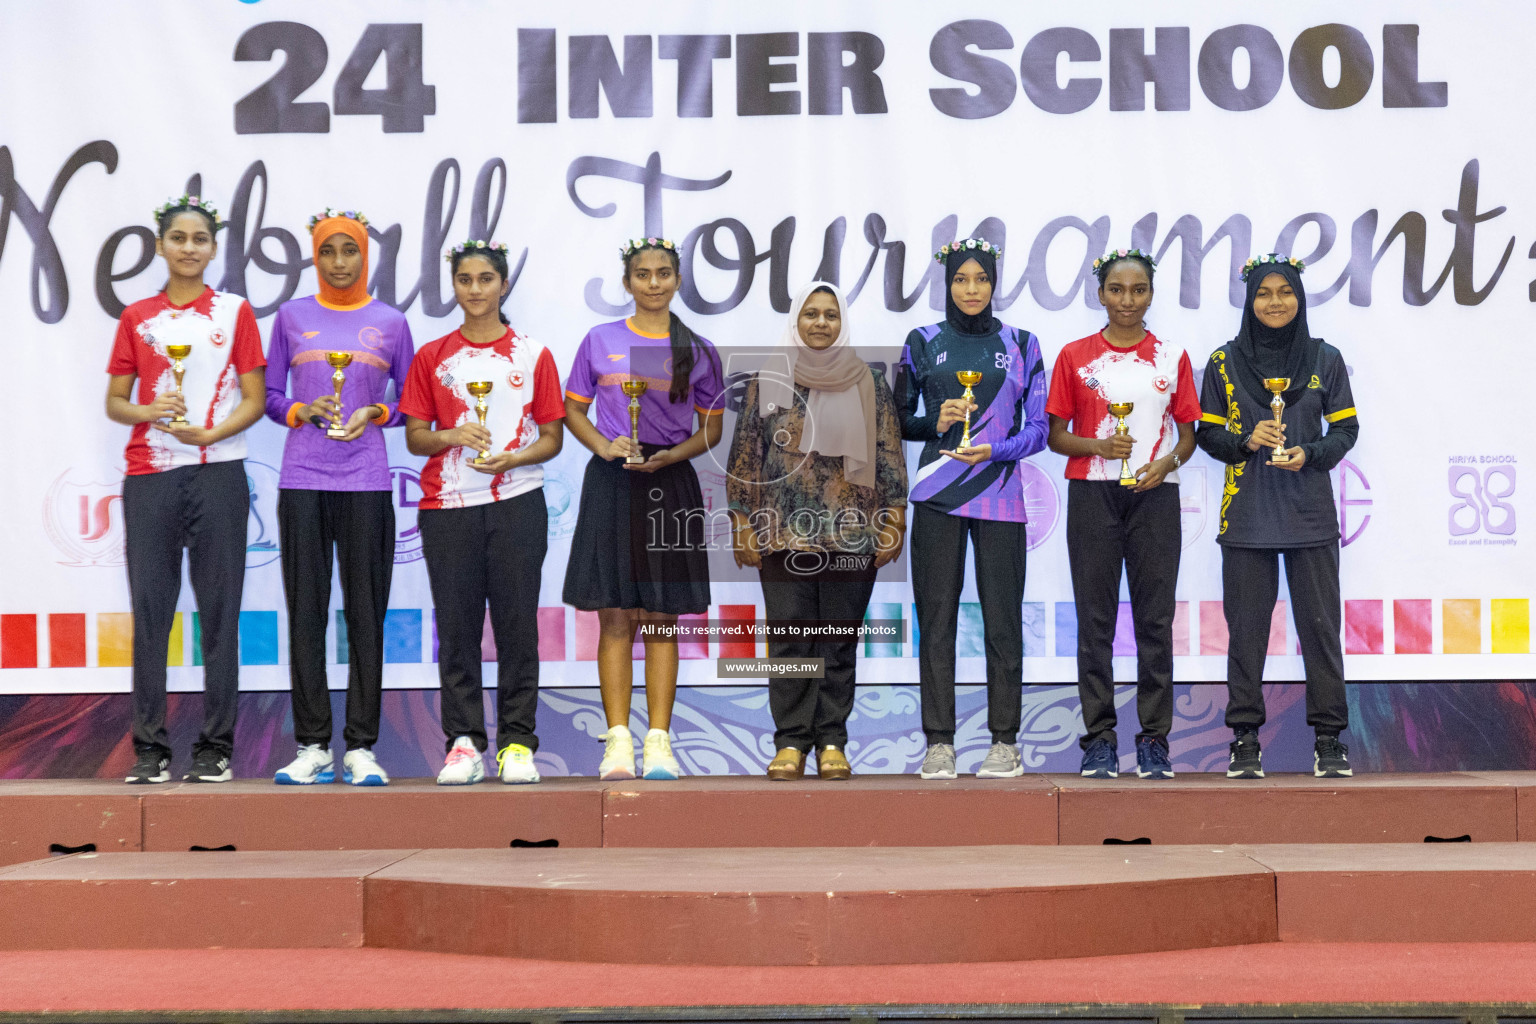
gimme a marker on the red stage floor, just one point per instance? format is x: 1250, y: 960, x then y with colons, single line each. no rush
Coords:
x: 1381, y: 979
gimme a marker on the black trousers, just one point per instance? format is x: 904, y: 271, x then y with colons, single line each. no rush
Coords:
x: 1110, y: 526
x: 359, y: 527
x: 204, y: 509
x: 1250, y: 581
x: 938, y: 574
x: 814, y: 712
x: 488, y: 554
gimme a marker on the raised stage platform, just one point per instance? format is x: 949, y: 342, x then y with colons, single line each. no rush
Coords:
x: 41, y: 817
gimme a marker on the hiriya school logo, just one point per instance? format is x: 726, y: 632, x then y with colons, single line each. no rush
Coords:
x: 406, y: 485
x: 261, y: 530
x: 1042, y: 505
x: 84, y: 519
x: 371, y: 338
x: 1480, y: 484
x: 1161, y: 382
x: 217, y: 337
x: 515, y: 379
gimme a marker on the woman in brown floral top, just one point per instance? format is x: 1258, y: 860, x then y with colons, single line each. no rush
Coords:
x: 818, y: 495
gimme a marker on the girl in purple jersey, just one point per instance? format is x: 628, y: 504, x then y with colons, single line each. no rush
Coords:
x: 970, y: 494
x: 334, y: 493
x: 638, y: 555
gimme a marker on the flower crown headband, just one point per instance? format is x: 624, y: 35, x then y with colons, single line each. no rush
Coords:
x: 1122, y: 254
x: 191, y: 202
x: 1271, y: 258
x: 635, y: 245
x: 328, y: 213
x: 968, y: 243
x: 475, y: 246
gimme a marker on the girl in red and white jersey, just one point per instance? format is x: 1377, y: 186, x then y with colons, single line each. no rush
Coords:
x: 484, y: 526
x: 186, y: 485
x: 1125, y: 523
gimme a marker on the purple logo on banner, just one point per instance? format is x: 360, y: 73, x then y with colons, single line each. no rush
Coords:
x: 1480, y: 484
x: 1041, y: 504
x: 406, y: 484
x: 1348, y: 470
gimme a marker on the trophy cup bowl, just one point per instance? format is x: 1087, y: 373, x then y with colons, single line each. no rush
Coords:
x: 969, y: 378
x: 480, y: 388
x: 339, y: 361
x: 177, y: 354
x: 1277, y: 386
x: 634, y: 388
x: 1120, y: 410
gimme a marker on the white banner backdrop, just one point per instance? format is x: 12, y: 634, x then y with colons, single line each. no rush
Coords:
x: 778, y: 142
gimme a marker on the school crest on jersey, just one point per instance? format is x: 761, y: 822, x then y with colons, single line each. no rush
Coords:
x: 218, y: 337
x: 1161, y: 382
x: 515, y: 378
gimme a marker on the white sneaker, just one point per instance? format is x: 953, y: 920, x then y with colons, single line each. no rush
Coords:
x: 516, y: 764
x: 463, y: 766
x: 618, y: 754
x: 314, y: 764
x: 359, y: 768
x: 658, y: 760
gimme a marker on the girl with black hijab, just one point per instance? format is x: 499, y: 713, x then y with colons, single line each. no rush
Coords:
x: 970, y: 494
x: 1270, y: 507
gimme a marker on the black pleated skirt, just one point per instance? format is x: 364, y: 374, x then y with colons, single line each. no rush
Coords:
x: 640, y: 540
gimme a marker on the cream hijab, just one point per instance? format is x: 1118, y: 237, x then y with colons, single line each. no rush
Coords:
x: 840, y: 412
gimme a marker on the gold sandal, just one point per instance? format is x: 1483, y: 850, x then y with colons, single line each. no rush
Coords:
x: 832, y: 764
x: 787, y: 765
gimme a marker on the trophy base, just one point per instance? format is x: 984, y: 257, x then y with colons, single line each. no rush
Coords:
x: 179, y: 421
x: 1129, y: 481
x: 480, y: 459
x: 634, y: 460
x: 336, y: 433
x: 1280, y: 459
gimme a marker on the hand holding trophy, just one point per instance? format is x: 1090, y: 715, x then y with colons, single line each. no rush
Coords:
x: 339, y: 362
x: 480, y: 388
x: 1120, y: 410
x: 1277, y: 386
x: 177, y: 354
x: 969, y: 378
x: 634, y: 388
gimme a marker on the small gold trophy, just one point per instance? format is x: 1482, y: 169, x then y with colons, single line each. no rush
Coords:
x: 1120, y: 410
x: 177, y: 354
x: 1277, y: 386
x: 339, y: 361
x: 480, y: 388
x: 634, y: 388
x: 968, y: 378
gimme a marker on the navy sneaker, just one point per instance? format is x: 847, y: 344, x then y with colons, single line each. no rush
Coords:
x: 1152, y: 759
x: 1330, y: 759
x: 1247, y: 760
x: 1100, y: 761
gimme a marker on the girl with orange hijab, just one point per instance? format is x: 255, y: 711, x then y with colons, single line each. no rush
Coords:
x: 334, y: 491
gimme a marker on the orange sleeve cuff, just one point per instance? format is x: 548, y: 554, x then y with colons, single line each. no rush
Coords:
x: 580, y: 398
x: 293, y: 414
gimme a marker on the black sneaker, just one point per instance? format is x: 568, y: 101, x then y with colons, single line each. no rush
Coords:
x: 1330, y: 759
x: 150, y: 767
x: 208, y: 766
x: 1246, y: 762
x: 1100, y: 761
x: 1152, y: 759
